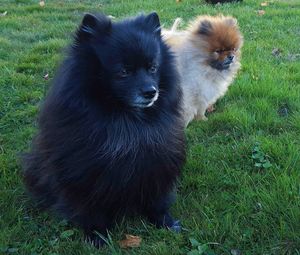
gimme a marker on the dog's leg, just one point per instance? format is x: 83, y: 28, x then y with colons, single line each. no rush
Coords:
x: 201, y: 116
x: 159, y: 215
x: 95, y: 227
x: 201, y: 112
x: 211, y: 108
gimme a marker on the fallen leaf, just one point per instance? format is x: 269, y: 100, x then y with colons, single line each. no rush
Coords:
x: 264, y: 4
x: 3, y: 14
x: 46, y: 76
x: 130, y: 241
x: 276, y: 52
x: 178, y: 1
x: 261, y: 12
x: 42, y: 3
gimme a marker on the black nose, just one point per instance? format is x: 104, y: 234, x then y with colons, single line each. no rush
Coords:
x: 149, y: 93
x: 230, y: 57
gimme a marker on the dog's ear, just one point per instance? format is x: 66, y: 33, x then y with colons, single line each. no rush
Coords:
x: 205, y: 27
x: 231, y: 21
x: 92, y: 25
x: 153, y: 23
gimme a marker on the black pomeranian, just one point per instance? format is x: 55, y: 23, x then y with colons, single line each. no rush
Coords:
x: 111, y: 138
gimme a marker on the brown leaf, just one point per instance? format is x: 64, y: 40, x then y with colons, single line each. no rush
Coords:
x: 264, y: 4
x: 3, y: 14
x: 261, y: 12
x: 130, y: 241
x: 42, y: 3
x: 178, y: 1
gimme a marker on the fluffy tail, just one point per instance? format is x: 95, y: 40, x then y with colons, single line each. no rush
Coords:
x: 176, y: 24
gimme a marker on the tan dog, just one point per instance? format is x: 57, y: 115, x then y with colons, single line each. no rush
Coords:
x: 208, y: 58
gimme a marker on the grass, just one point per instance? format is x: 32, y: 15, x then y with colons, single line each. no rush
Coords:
x: 227, y: 200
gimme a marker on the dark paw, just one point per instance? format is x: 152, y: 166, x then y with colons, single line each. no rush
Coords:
x: 176, y: 227
x: 168, y: 222
x: 95, y: 240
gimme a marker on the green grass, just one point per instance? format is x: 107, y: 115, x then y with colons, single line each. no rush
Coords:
x: 224, y: 200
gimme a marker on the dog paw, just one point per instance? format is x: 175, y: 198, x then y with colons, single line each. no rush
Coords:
x: 94, y: 240
x: 211, y: 108
x: 201, y: 117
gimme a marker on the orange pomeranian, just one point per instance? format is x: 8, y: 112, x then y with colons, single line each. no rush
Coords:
x: 208, y: 58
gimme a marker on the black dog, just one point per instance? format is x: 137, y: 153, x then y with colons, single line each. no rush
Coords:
x: 111, y: 139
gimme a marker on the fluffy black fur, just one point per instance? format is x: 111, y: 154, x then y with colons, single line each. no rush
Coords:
x: 105, y: 147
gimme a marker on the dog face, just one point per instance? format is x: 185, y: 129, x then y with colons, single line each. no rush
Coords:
x: 129, y: 57
x: 219, y: 38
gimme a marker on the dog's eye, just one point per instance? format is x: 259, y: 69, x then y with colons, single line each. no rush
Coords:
x: 219, y: 51
x: 153, y: 68
x: 124, y: 73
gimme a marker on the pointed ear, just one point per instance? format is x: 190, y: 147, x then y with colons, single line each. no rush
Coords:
x: 231, y: 22
x: 152, y: 21
x: 205, y: 27
x: 92, y: 25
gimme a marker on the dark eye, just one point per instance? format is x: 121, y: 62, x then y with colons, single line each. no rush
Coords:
x: 124, y: 73
x: 219, y: 51
x: 153, y: 68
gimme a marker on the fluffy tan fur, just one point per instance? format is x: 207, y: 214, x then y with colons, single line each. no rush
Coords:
x: 202, y: 52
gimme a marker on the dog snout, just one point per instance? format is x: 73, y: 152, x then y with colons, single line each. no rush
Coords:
x: 230, y: 57
x: 149, y: 93
x: 228, y: 60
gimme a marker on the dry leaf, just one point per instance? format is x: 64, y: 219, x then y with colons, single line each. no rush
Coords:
x: 46, y: 76
x: 42, y: 3
x: 178, y: 1
x: 3, y: 14
x: 264, y: 4
x: 261, y: 12
x: 130, y: 241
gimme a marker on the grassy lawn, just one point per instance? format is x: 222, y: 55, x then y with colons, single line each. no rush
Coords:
x: 226, y: 199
